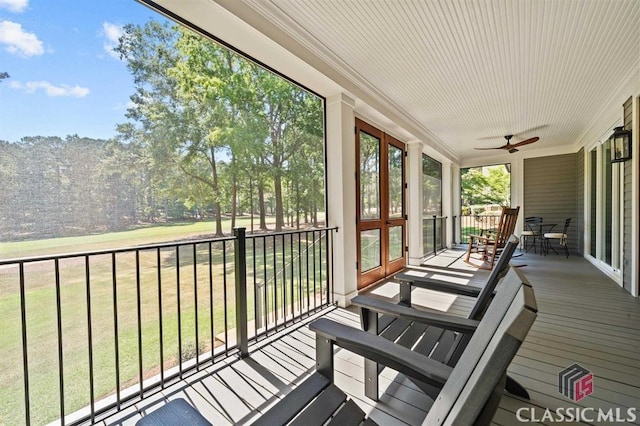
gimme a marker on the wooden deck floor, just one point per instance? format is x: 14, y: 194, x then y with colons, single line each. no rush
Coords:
x: 583, y: 318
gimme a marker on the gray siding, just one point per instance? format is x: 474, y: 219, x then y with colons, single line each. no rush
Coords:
x: 627, y: 254
x: 551, y: 191
x: 580, y: 201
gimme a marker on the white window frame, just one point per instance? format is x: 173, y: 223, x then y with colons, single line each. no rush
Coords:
x: 614, y: 271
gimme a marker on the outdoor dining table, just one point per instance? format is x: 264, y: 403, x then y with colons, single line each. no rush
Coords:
x: 543, y: 228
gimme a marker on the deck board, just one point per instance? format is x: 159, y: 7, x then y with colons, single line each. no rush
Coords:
x: 584, y: 317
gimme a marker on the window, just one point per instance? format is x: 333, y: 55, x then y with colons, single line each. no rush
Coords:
x: 432, y: 228
x: 431, y: 186
x: 606, y: 181
x: 593, y: 163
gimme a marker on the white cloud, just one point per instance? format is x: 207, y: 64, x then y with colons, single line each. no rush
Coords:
x: 50, y: 89
x: 14, y: 5
x: 125, y: 106
x: 19, y: 42
x: 111, y: 33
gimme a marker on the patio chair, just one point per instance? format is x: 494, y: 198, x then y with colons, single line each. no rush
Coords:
x: 408, y: 281
x: 425, y: 330
x: 490, y: 246
x: 531, y: 232
x: 560, y: 236
x: 468, y: 394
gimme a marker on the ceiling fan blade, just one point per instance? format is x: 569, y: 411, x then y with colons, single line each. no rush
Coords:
x: 487, y: 138
x: 530, y: 130
x: 527, y: 142
x: 499, y: 147
x: 515, y: 135
x: 512, y: 150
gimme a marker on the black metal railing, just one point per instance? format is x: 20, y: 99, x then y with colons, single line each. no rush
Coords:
x: 434, y: 234
x: 300, y: 283
x: 477, y: 225
x: 454, y: 230
x: 85, y: 333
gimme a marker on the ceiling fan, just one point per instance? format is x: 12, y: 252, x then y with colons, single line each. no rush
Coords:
x: 513, y: 147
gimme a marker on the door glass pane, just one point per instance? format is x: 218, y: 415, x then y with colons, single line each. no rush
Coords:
x: 395, y: 242
x: 395, y: 182
x: 369, y: 176
x: 427, y: 235
x: 431, y: 186
x: 370, y: 249
x: 594, y: 207
x: 431, y: 201
x: 607, y: 199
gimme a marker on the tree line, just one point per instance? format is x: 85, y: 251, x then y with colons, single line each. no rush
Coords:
x: 208, y: 134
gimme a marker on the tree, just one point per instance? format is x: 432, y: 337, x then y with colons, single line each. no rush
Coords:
x: 58, y: 187
x: 222, y: 121
x: 182, y: 103
x: 485, y: 185
x: 499, y: 185
x: 169, y: 125
x: 10, y: 168
x: 283, y: 104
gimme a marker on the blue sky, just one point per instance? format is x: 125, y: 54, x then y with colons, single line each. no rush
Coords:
x: 64, y: 78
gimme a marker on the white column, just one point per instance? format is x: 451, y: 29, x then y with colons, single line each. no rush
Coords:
x: 341, y: 190
x: 517, y: 191
x: 414, y: 202
x: 450, y: 193
x: 635, y: 150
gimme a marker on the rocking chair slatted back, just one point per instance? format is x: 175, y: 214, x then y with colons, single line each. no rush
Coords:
x: 491, y: 246
x: 506, y: 226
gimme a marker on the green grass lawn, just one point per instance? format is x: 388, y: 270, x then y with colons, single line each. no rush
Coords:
x: 156, y: 233
x: 281, y: 271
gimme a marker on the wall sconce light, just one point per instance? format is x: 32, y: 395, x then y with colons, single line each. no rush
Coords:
x: 620, y: 145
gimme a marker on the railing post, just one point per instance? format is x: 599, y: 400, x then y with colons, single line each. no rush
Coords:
x: 453, y: 226
x: 240, y: 261
x: 443, y: 233
x: 435, y: 230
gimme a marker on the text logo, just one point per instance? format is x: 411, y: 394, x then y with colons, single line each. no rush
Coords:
x: 575, y: 382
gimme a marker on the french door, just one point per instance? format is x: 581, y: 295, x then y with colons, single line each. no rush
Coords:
x: 606, y: 206
x: 380, y: 203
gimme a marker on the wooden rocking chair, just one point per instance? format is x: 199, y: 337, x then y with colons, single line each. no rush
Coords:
x: 490, y: 246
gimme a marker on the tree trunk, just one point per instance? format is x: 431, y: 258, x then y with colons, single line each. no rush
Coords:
x: 219, y: 232
x: 314, y: 212
x: 297, y: 205
x: 234, y: 198
x: 214, y: 187
x: 277, y: 175
x: 251, y: 201
x: 277, y: 183
x: 262, y: 207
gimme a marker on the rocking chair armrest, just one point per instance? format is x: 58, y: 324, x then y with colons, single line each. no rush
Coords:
x: 383, y: 351
x: 439, y: 285
x: 486, y: 238
x: 446, y: 321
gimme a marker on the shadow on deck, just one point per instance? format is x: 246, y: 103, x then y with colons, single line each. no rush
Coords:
x: 583, y: 318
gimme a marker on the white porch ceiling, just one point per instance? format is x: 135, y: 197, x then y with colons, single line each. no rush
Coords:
x: 466, y: 73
